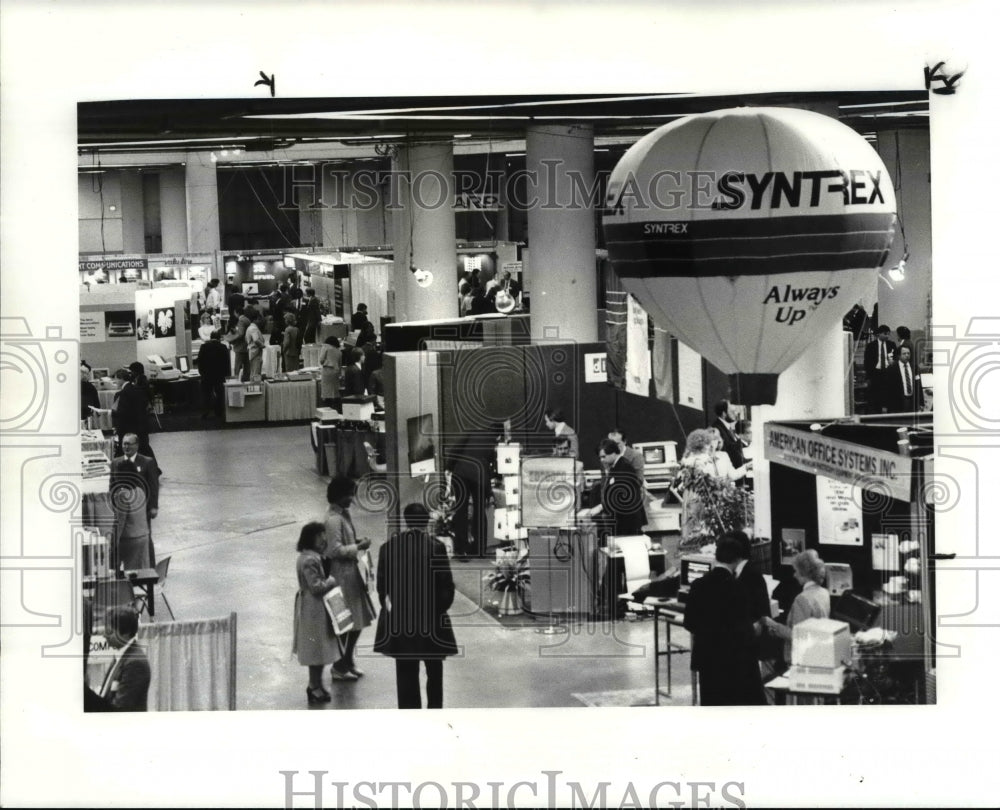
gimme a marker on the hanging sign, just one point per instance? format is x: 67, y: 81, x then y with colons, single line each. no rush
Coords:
x: 851, y: 463
x: 116, y: 265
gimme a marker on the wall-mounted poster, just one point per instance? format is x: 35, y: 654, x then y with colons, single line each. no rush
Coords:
x: 119, y: 324
x: 792, y: 542
x: 885, y: 552
x: 688, y: 377
x: 838, y: 506
x: 92, y: 327
x: 165, y: 326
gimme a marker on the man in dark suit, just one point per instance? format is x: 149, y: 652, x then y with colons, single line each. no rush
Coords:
x: 758, y: 603
x: 213, y: 368
x: 354, y: 375
x: 135, y: 493
x: 623, y: 497
x: 731, y: 443
x: 359, y: 318
x: 469, y: 465
x: 126, y: 684
x: 721, y: 628
x: 904, y: 394
x: 415, y: 590
x: 878, y: 356
x: 309, y: 317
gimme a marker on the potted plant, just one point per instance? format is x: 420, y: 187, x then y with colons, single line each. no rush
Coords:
x: 712, y: 507
x: 511, y: 579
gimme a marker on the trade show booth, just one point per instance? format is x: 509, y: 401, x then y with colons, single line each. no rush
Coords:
x: 859, y: 491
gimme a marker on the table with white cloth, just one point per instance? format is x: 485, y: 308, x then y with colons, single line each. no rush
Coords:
x: 287, y: 400
x: 271, y: 363
x: 310, y: 354
x: 101, y: 420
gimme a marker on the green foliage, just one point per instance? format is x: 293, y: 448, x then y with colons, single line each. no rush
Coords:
x: 510, y: 573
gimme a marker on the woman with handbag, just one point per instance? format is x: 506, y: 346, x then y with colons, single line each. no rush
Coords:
x: 350, y: 564
x: 313, y: 639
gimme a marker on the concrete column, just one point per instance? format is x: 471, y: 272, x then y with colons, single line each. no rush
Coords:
x: 173, y: 211
x: 338, y: 219
x: 133, y: 222
x: 202, y: 189
x: 503, y: 212
x: 423, y: 220
x: 560, y: 165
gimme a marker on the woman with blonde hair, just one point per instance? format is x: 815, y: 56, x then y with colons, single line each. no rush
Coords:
x: 812, y: 603
x: 290, y: 344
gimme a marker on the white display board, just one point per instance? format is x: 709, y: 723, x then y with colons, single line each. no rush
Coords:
x: 689, y: 377
x: 838, y: 506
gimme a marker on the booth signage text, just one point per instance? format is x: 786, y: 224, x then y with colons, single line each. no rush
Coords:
x: 813, y: 453
x: 90, y: 265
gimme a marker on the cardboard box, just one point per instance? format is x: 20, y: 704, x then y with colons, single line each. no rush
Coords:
x: 822, y: 643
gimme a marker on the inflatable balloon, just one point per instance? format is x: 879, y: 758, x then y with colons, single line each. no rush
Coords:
x: 748, y: 232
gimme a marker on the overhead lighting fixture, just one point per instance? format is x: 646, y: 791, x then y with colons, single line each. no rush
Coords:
x: 504, y: 301
x: 424, y: 278
x: 463, y: 135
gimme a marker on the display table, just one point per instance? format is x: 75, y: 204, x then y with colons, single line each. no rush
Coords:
x: 271, y: 361
x: 288, y: 400
x: 244, y: 401
x: 338, y: 329
x: 310, y: 354
x: 177, y: 395
x: 91, y: 440
x: 340, y: 448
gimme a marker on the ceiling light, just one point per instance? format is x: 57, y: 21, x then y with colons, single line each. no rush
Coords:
x: 504, y: 301
x: 424, y: 278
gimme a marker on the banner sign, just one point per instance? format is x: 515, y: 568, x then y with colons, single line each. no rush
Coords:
x: 851, y: 463
x: 123, y: 263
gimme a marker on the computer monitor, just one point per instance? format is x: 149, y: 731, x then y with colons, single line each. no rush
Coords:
x: 858, y: 612
x: 658, y: 454
x: 693, y: 567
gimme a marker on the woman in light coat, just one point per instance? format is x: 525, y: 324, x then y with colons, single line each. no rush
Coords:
x: 313, y: 639
x: 350, y: 564
x: 330, y: 358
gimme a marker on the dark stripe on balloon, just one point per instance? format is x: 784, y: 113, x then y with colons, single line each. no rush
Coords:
x: 748, y: 265
x: 745, y: 227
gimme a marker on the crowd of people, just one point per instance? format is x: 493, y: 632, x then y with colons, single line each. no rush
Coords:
x: 893, y: 378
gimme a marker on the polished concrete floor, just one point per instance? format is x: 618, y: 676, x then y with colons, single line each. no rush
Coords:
x: 231, y: 505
